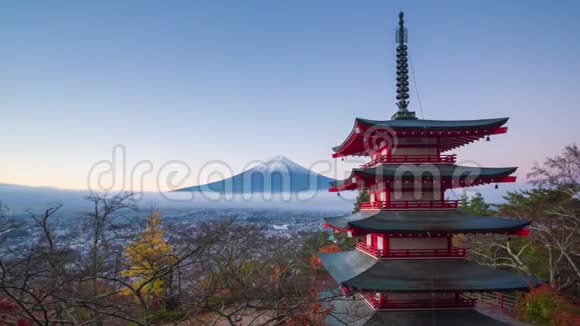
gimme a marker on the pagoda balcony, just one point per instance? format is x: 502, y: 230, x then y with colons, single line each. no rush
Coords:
x: 378, y: 303
x: 447, y: 159
x: 453, y: 252
x: 410, y: 204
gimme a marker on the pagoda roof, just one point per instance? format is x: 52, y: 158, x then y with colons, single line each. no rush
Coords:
x: 355, y: 311
x: 458, y: 317
x: 406, y: 221
x: 476, y: 175
x: 435, y: 124
x: 452, y: 133
x: 360, y: 271
x: 358, y: 313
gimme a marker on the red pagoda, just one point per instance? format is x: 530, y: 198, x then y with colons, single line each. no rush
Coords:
x: 405, y: 269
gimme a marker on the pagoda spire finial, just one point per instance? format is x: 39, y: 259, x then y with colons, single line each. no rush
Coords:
x: 402, y: 73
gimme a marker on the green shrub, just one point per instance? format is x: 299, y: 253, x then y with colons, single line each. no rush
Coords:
x: 165, y: 316
x: 540, y: 306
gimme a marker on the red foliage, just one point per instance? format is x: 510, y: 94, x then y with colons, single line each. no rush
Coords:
x: 24, y: 322
x: 330, y: 248
x: 313, y: 315
x: 544, y: 305
x: 315, y: 261
x: 8, y: 310
x: 567, y: 319
x: 276, y: 269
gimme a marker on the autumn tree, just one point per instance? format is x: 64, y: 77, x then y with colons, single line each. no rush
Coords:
x: 545, y: 306
x: 313, y: 314
x: 142, y: 290
x: 558, y: 224
x: 247, y: 276
x: 145, y: 257
x: 552, y: 250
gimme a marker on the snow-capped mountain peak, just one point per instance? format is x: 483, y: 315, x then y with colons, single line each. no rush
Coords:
x: 279, y: 174
x: 280, y: 164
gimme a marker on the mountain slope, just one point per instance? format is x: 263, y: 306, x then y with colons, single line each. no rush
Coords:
x: 275, y: 176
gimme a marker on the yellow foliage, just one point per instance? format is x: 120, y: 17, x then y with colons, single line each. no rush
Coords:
x: 146, y: 257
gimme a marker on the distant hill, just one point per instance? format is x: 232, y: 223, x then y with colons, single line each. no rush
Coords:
x: 277, y: 175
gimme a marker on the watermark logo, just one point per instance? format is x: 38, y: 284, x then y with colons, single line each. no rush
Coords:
x: 279, y: 179
x: 282, y: 179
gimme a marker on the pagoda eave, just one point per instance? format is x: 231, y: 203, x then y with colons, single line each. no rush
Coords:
x: 361, y: 272
x: 432, y: 223
x: 348, y: 185
x: 358, y: 232
x: 358, y: 312
x: 367, y: 134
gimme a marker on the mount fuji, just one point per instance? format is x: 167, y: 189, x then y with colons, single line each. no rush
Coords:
x: 278, y: 175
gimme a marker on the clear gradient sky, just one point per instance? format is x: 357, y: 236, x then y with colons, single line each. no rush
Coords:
x: 245, y: 80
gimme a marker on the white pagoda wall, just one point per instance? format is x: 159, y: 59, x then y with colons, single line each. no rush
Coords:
x: 414, y: 151
x: 417, y: 243
x: 420, y: 296
x: 416, y: 195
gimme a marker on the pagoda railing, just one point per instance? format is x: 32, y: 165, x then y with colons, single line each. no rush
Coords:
x: 372, y: 299
x: 506, y: 301
x: 460, y: 301
x: 411, y: 253
x: 410, y: 204
x: 410, y: 159
x: 371, y: 251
